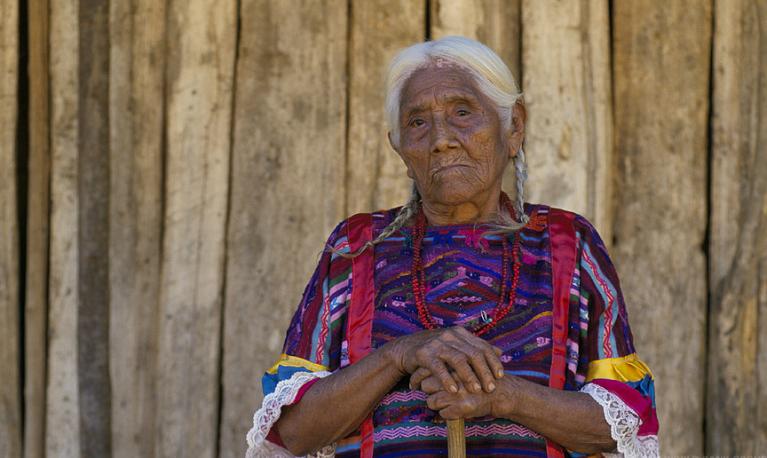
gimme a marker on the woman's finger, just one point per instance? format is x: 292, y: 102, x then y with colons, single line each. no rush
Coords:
x: 418, y: 376
x: 485, y: 363
x: 438, y: 368
x: 437, y: 401
x: 459, y: 363
x: 482, y: 367
x: 451, y: 412
x: 431, y: 385
x: 492, y: 356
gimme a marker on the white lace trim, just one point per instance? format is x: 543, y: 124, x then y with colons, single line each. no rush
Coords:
x: 624, y: 424
x: 270, y: 411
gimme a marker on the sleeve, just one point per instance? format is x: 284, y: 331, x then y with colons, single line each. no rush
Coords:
x: 312, y: 347
x: 614, y: 375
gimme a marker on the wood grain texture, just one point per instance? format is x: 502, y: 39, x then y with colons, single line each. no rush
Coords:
x: 38, y: 207
x: 62, y: 430
x: 136, y: 115
x: 567, y: 89
x: 496, y: 23
x: 661, y: 52
x: 377, y: 177
x: 737, y: 359
x: 200, y: 77
x: 288, y: 171
x: 93, y: 228
x: 10, y: 356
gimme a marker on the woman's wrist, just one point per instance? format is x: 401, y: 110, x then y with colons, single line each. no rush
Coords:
x: 394, y: 352
x: 505, y: 400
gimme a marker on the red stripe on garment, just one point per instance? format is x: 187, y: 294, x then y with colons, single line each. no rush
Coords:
x: 562, y: 239
x: 360, y: 314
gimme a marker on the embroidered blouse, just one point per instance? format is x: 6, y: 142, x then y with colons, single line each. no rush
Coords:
x: 463, y: 275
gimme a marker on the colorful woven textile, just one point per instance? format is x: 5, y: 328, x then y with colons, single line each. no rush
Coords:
x: 462, y: 266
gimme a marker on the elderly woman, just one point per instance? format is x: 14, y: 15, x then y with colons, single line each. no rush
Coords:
x: 460, y: 304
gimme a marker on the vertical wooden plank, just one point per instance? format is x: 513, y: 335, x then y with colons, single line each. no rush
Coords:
x: 93, y: 228
x: 10, y: 394
x: 62, y: 400
x: 569, y: 143
x: 137, y: 69
x: 200, y: 72
x: 661, y: 52
x: 736, y: 422
x: 288, y: 174
x: 38, y: 196
x: 377, y: 178
x: 496, y: 23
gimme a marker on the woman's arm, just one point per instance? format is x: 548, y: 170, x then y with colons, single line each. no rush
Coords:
x: 569, y: 418
x: 336, y: 405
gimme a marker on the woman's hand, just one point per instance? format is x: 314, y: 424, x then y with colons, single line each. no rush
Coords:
x: 461, y: 404
x: 474, y: 363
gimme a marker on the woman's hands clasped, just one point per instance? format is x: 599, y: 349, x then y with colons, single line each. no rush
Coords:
x: 453, y: 356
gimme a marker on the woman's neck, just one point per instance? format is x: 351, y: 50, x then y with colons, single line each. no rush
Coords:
x: 483, y: 208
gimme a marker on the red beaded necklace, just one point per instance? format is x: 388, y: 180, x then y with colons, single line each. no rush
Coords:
x: 504, y: 305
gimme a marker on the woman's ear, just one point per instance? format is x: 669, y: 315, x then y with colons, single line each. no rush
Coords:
x: 391, y: 142
x: 517, y: 131
x: 395, y: 148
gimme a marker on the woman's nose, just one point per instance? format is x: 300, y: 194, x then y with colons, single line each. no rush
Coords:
x: 443, y: 137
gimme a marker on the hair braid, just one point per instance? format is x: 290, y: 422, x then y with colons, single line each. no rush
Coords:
x: 405, y: 213
x: 520, y: 170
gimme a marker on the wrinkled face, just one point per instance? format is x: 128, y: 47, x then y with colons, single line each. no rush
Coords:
x: 450, y: 136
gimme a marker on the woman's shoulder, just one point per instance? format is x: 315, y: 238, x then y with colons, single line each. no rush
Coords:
x: 339, y: 236
x: 584, y: 228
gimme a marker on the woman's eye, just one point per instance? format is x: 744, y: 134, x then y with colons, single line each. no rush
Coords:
x: 417, y: 122
x: 462, y: 112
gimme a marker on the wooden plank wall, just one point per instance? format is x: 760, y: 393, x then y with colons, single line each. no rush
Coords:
x: 10, y: 331
x: 198, y: 152
x: 661, y: 115
x: 37, y: 219
x: 737, y: 369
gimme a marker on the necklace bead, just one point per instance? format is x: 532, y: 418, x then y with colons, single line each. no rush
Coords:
x: 504, y: 305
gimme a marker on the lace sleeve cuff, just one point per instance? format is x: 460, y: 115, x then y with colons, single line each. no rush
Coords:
x: 285, y: 393
x: 624, y: 425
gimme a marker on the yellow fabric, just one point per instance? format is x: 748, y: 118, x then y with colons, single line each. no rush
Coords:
x: 628, y: 368
x: 294, y: 361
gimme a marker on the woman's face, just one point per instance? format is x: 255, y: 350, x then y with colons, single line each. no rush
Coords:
x: 451, y: 138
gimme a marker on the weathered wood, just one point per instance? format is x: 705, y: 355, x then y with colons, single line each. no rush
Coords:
x: 569, y: 143
x: 93, y: 228
x: 200, y: 76
x: 137, y: 69
x: 288, y: 186
x: 62, y: 417
x: 377, y: 177
x: 10, y: 393
x: 661, y: 52
x: 496, y: 23
x: 38, y: 195
x: 737, y: 361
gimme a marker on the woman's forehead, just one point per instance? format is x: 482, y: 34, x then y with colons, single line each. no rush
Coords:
x: 439, y: 84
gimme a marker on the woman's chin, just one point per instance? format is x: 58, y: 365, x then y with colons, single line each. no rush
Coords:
x: 454, y: 196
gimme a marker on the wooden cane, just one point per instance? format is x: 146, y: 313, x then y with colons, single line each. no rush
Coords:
x: 456, y: 439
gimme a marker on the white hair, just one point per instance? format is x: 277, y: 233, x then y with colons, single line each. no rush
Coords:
x: 493, y: 79
x: 492, y: 76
